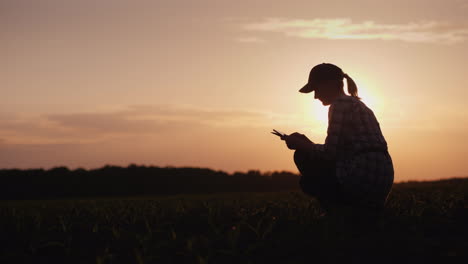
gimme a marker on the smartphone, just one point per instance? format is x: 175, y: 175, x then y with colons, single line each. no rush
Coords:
x: 278, y: 133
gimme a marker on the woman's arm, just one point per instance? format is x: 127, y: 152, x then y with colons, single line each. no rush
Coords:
x: 298, y: 141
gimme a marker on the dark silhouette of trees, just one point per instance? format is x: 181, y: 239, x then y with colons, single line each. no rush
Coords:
x: 135, y: 180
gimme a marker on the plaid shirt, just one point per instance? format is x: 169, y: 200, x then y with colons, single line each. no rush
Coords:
x: 353, y: 136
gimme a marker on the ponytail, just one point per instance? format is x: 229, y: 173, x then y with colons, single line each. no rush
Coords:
x: 352, y: 88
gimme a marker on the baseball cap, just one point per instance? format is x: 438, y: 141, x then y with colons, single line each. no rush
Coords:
x: 321, y: 72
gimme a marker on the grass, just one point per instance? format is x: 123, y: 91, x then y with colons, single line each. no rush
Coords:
x: 421, y: 219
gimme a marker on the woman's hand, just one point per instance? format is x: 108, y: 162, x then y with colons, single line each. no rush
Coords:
x: 297, y: 141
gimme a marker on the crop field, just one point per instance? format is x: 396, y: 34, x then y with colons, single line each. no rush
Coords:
x: 421, y: 219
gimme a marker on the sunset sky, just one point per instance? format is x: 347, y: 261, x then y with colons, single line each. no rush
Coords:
x: 87, y: 83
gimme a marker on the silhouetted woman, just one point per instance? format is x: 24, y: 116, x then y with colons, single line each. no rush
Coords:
x: 353, y: 167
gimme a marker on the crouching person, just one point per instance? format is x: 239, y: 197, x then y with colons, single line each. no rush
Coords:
x: 353, y: 167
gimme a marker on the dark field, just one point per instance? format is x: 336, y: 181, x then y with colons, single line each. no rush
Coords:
x: 421, y: 219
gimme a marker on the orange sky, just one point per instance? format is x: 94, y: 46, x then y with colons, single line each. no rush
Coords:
x: 202, y: 83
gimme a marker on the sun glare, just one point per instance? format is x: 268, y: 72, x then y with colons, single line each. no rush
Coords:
x: 320, y: 112
x: 315, y: 115
x: 370, y: 96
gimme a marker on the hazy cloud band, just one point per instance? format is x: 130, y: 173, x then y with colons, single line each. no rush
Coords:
x: 134, y: 120
x: 343, y: 28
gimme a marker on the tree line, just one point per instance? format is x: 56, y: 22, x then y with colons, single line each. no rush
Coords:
x: 134, y: 180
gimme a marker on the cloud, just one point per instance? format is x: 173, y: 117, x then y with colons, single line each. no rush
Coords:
x: 201, y: 115
x: 113, y: 123
x: 343, y: 28
x: 250, y: 39
x: 134, y: 120
x: 21, y: 128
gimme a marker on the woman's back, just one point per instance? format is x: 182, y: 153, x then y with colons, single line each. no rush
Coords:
x: 364, y: 166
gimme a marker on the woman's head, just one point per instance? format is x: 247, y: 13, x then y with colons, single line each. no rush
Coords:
x: 326, y: 80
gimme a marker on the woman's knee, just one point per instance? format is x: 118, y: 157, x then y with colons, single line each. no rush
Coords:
x: 307, y: 186
x: 302, y: 162
x: 299, y: 157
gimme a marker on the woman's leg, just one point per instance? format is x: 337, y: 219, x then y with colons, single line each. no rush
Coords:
x: 317, y: 176
x: 307, y: 181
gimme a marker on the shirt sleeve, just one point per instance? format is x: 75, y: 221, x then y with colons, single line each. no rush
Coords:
x: 336, y: 121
